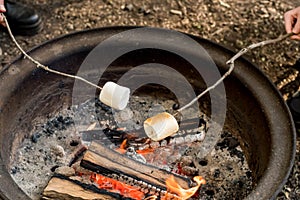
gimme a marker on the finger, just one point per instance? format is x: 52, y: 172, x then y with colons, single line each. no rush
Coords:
x: 296, y: 28
x: 2, y: 23
x: 1, y: 20
x: 288, y: 21
x: 295, y: 37
x: 2, y: 8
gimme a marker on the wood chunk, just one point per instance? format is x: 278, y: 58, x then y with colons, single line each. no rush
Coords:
x: 60, y: 187
x: 101, y: 159
x: 64, y: 189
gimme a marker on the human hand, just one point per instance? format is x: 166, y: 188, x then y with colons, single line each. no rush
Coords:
x: 292, y: 22
x: 2, y: 9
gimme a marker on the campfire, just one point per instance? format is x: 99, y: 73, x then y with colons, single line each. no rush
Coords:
x: 109, y: 160
x: 122, y: 170
x: 109, y: 175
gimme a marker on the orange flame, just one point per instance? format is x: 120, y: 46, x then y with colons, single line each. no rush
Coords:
x: 145, y: 151
x: 122, y: 148
x: 183, y: 194
x: 117, y: 187
x: 176, y: 192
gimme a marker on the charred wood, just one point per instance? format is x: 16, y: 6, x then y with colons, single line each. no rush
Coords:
x: 193, y: 129
x: 100, y: 159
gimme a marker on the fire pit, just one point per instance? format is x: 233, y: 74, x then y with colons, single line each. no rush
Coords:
x: 257, y: 117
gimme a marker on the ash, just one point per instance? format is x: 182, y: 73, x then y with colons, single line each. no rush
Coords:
x: 50, y: 145
x: 55, y: 140
x: 226, y: 171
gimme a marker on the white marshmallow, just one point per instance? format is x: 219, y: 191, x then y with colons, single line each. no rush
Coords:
x: 114, y: 95
x: 160, y: 126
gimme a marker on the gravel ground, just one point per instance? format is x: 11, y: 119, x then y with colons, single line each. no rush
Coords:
x: 232, y: 23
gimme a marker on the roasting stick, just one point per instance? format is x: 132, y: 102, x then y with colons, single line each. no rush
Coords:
x: 163, y: 124
x: 157, y: 130
x: 111, y: 94
x: 230, y: 62
x: 38, y: 64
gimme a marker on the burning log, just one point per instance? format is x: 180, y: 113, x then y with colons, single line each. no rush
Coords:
x: 61, y: 187
x: 111, y: 175
x: 130, y: 179
x: 103, y: 188
x: 105, y: 161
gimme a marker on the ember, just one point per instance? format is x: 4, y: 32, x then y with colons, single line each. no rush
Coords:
x: 117, y: 187
x: 133, y: 192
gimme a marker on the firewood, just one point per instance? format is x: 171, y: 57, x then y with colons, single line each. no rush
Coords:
x: 64, y: 188
x: 103, y: 160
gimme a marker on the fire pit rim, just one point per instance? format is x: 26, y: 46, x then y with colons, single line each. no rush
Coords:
x: 6, y: 195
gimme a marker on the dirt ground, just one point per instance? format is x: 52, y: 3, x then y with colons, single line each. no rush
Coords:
x: 231, y: 23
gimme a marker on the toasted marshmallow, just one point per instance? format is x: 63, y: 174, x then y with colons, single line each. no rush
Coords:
x: 114, y: 95
x: 160, y: 126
